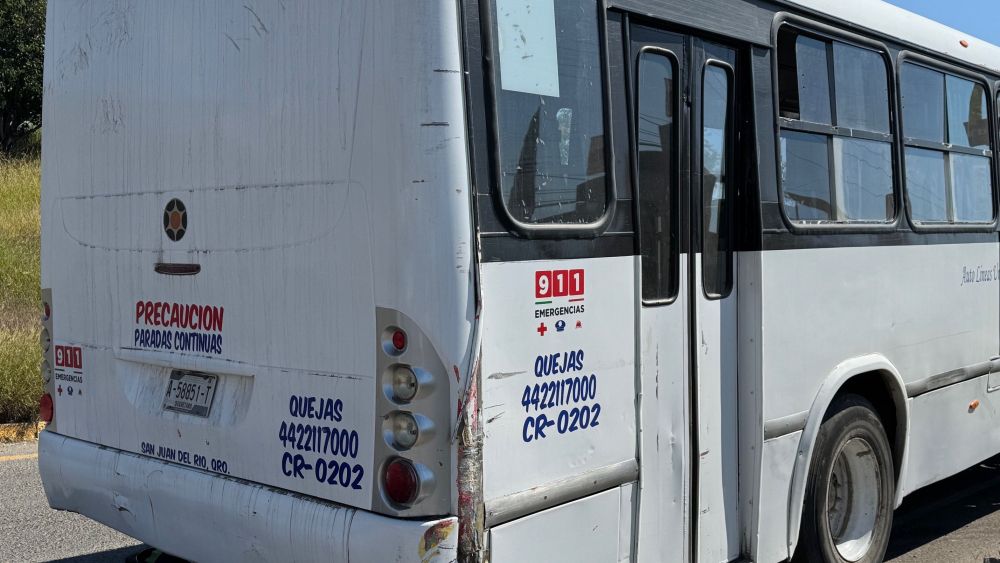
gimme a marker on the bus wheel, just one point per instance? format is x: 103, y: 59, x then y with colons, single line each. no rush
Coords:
x: 847, y: 514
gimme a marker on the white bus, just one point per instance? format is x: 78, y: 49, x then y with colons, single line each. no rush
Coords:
x: 515, y: 280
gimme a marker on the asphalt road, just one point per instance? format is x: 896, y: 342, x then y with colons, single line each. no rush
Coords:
x: 31, y: 531
x: 956, y: 521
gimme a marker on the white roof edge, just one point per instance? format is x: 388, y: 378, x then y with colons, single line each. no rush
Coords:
x: 896, y: 22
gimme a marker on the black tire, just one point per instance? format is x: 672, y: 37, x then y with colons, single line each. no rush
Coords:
x: 851, y: 417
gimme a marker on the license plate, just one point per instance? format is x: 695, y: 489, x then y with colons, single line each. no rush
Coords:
x: 190, y: 392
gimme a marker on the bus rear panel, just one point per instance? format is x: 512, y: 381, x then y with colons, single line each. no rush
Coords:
x: 238, y: 220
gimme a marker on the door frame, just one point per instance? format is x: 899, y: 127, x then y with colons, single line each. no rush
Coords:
x: 691, y: 64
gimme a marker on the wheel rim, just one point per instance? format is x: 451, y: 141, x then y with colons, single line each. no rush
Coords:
x: 853, y: 495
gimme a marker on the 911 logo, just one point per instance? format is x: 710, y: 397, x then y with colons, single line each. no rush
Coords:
x: 559, y: 283
x: 69, y: 357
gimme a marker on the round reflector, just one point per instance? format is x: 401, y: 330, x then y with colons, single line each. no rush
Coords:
x: 45, y: 408
x: 45, y: 339
x: 404, y: 384
x: 405, y: 431
x: 400, y: 481
x: 399, y: 340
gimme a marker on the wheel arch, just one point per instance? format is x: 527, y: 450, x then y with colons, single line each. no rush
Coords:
x: 855, y: 375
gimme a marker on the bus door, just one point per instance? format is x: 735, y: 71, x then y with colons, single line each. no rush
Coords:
x: 683, y: 137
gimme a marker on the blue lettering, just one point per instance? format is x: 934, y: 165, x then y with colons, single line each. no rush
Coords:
x: 553, y: 364
x: 537, y: 425
x: 316, y: 408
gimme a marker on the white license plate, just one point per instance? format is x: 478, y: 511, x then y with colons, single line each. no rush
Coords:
x: 190, y: 392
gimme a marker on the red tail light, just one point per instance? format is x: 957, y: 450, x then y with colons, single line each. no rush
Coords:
x: 399, y: 340
x: 45, y: 408
x: 401, y: 482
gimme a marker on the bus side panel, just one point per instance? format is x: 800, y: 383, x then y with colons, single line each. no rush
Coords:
x: 912, y: 304
x: 558, y: 377
x: 595, y: 528
x: 946, y: 418
x: 927, y: 309
x: 777, y: 462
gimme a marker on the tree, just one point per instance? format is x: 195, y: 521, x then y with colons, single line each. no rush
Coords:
x: 22, y: 40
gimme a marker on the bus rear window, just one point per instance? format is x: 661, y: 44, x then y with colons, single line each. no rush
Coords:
x: 550, y: 111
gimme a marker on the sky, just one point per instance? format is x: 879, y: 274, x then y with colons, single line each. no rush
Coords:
x: 976, y: 17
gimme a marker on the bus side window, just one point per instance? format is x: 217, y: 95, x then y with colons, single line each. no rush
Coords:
x: 836, y: 140
x: 550, y: 113
x: 716, y: 192
x: 947, y: 154
x: 656, y: 153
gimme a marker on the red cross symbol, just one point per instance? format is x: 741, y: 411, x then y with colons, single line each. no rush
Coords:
x: 541, y: 329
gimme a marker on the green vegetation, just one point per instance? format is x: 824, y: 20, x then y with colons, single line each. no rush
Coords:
x: 20, y: 354
x: 22, y: 40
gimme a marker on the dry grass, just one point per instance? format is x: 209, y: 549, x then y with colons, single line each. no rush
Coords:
x: 20, y: 384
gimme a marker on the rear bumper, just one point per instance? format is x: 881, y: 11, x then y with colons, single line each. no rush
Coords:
x: 207, y: 517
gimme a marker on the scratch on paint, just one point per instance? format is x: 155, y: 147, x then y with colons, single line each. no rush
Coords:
x: 435, y: 124
x: 491, y: 419
x: 233, y: 41
x: 259, y: 21
x: 337, y: 376
x: 505, y: 374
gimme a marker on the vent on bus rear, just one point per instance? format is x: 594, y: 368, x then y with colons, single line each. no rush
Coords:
x: 169, y: 269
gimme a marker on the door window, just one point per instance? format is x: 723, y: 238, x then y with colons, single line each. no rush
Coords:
x: 717, y: 204
x: 656, y: 131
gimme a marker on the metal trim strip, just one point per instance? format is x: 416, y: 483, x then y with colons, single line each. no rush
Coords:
x: 951, y: 377
x: 514, y: 506
x: 778, y: 427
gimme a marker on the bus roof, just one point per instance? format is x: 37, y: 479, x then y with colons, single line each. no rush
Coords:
x: 886, y: 19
